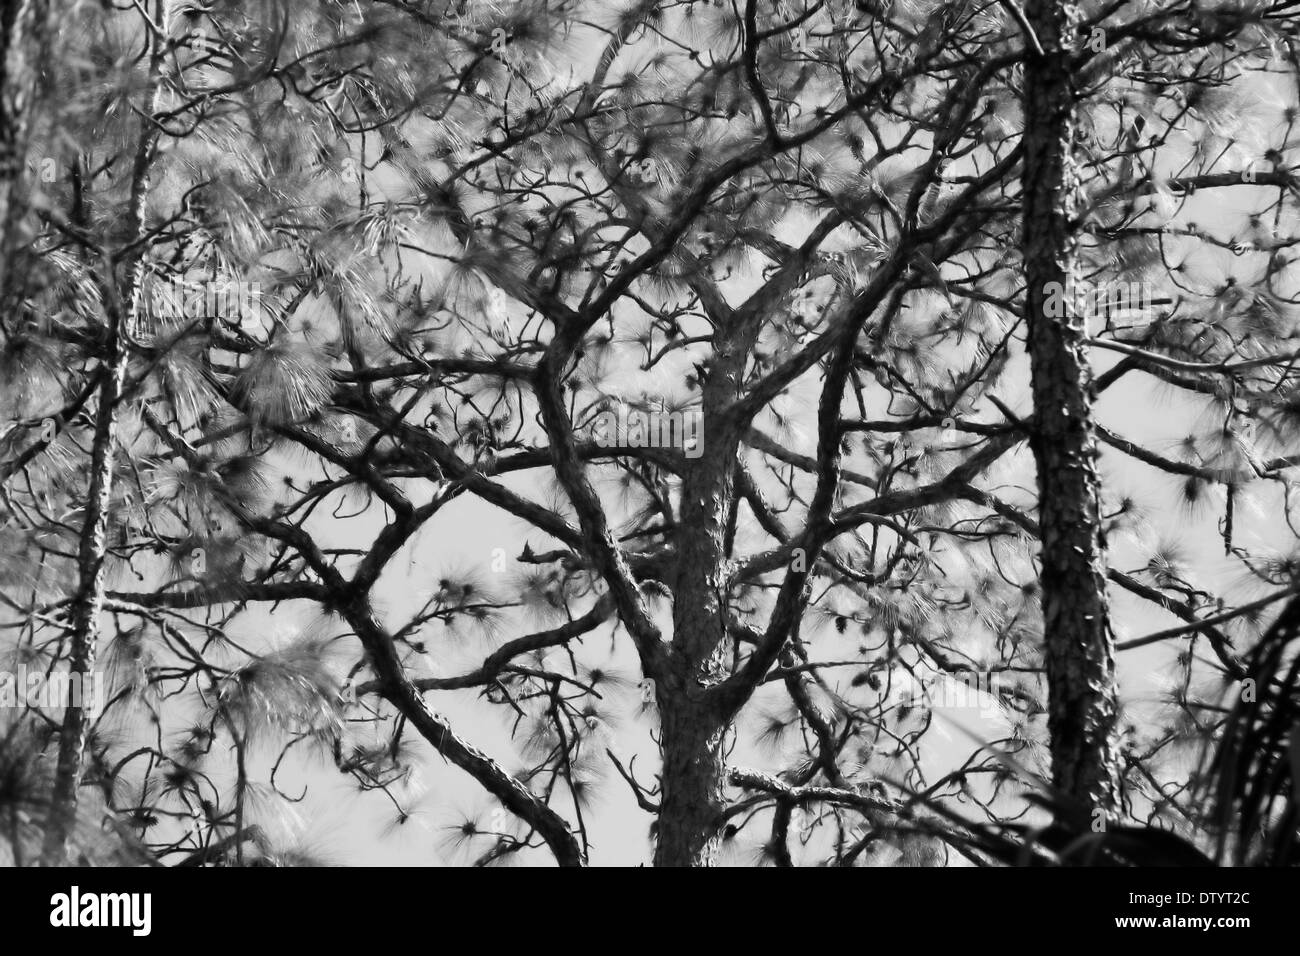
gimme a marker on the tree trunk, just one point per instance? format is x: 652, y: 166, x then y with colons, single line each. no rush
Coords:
x: 86, y: 604
x: 693, y: 720
x: 691, y: 801
x: 88, y: 601
x: 1079, y: 647
x: 22, y: 31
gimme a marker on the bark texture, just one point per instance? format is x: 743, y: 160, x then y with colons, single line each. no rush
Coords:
x: 691, y: 801
x: 1079, y: 647
x: 693, y: 717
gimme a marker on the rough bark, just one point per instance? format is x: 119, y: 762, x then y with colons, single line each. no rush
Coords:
x: 1079, y: 652
x: 88, y: 601
x: 692, y: 723
x: 691, y: 801
x: 692, y: 717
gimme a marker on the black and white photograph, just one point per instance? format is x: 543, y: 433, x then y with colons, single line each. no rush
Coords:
x: 651, y: 433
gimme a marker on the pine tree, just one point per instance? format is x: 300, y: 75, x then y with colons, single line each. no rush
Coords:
x: 1077, y: 640
x: 121, y: 314
x: 738, y: 313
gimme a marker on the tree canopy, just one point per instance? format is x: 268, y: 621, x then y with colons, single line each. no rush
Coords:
x: 778, y: 339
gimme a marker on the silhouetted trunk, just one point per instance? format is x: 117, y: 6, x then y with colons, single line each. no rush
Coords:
x: 1079, y: 652
x: 693, y: 722
x: 691, y: 801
